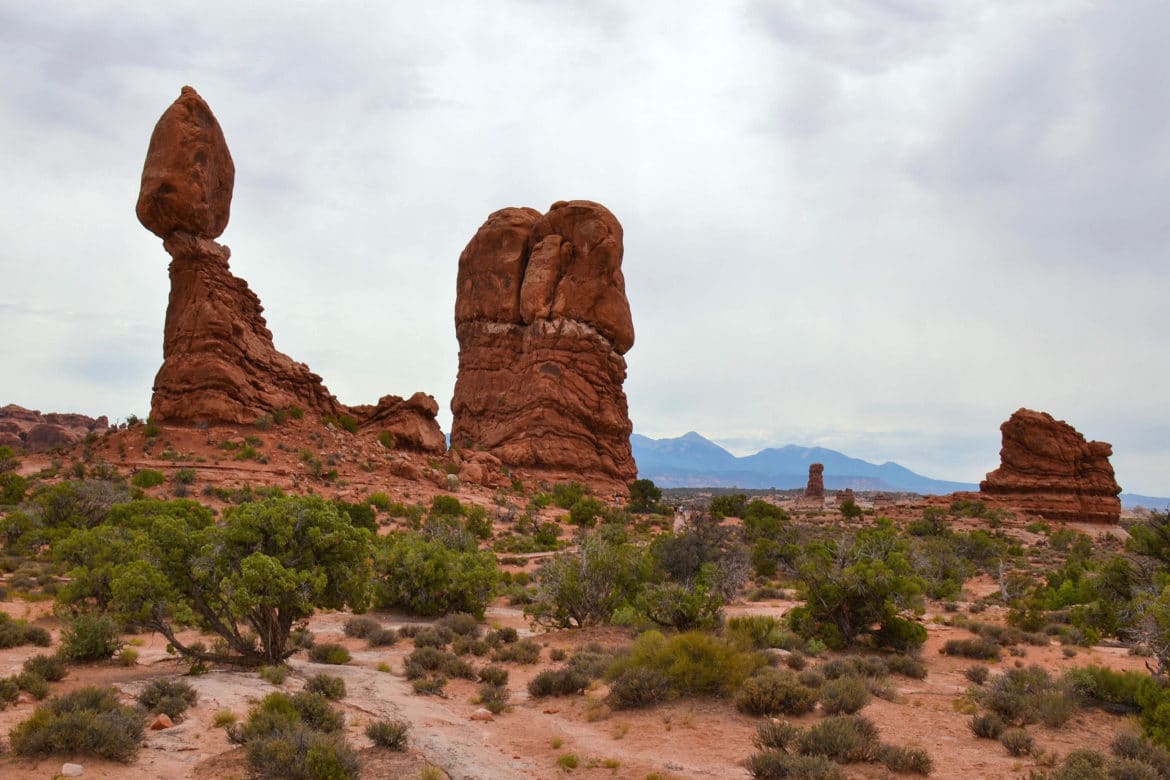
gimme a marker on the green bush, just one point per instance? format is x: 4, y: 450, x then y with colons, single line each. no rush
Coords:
x: 88, y: 721
x: 755, y: 631
x: 977, y: 674
x: 1017, y: 741
x: 907, y: 666
x: 330, y: 686
x: 565, y: 494
x: 909, y: 760
x: 389, y: 734
x: 148, y: 478
x: 845, y: 695
x: 329, y: 653
x: 586, y: 586
x: 91, y: 637
x: 429, y: 578
x: 775, y: 765
x: 12, y: 488
x: 433, y: 636
x: 382, y: 637
x: 33, y: 684
x: 494, y: 698
x: 301, y: 753
x: 1133, y: 747
x: 171, y: 697
x: 387, y: 440
x: 431, y: 659
x: 557, y: 682
x: 694, y: 663
x: 843, y: 738
x: 1022, y: 696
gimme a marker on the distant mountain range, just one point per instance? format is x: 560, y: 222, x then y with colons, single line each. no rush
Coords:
x: 693, y: 461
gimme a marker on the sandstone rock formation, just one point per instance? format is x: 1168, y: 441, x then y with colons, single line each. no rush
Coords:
x: 1048, y: 469
x: 543, y: 322
x: 816, y: 481
x: 219, y: 360
x: 845, y: 496
x: 30, y: 430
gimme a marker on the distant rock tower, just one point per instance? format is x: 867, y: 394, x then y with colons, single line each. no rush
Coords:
x: 816, y: 481
x: 1048, y: 469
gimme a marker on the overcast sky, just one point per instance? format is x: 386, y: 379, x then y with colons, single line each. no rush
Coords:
x: 879, y: 226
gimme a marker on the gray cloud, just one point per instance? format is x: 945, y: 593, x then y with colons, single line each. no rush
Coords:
x: 880, y: 227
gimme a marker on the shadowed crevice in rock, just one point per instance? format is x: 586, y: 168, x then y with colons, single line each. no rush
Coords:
x: 543, y: 322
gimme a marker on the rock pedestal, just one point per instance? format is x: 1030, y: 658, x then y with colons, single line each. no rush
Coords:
x: 543, y: 323
x: 816, y: 481
x: 1048, y: 469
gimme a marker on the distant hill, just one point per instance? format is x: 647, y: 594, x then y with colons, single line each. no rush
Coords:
x: 1131, y: 500
x: 693, y: 461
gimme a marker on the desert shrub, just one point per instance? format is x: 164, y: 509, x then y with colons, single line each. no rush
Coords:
x: 502, y: 636
x: 496, y: 675
x: 463, y: 645
x: 586, y: 586
x: 732, y: 505
x: 638, y: 686
x: 431, y: 659
x: 301, y: 753
x: 585, y: 512
x: 1113, y: 691
x: 987, y: 725
x: 33, y: 684
x: 909, y: 760
x: 461, y: 623
x: 565, y: 494
x: 1133, y: 747
x: 845, y: 695
x: 382, y: 637
x: 978, y: 648
x: 15, y: 632
x: 907, y: 666
x: 432, y: 636
x: 361, y: 626
x: 778, y: 735
x: 1119, y: 769
x: 843, y: 738
x: 494, y: 698
x: 523, y: 652
x: 50, y: 667
x: 774, y: 765
x: 148, y: 478
x: 387, y: 440
x: 694, y: 663
x: 565, y: 681
x: 775, y: 693
x: 328, y: 685
x: 91, y: 637
x: 694, y: 605
x: 755, y: 631
x: 1022, y: 696
x: 276, y: 674
x: 854, y: 666
x: 389, y: 734
x: 429, y: 686
x: 12, y: 488
x: 591, y: 661
x: 811, y: 677
x: 428, y: 577
x: 977, y: 674
x: 88, y: 721
x: 1017, y: 741
x: 171, y: 697
x: 329, y: 653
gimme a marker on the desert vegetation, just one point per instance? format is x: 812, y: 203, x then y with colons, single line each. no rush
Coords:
x: 758, y: 609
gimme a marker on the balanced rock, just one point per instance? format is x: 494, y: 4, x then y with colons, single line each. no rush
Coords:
x: 411, y: 421
x: 816, y: 481
x: 543, y: 323
x: 1048, y: 469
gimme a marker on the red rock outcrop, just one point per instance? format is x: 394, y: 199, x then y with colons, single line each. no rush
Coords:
x: 219, y: 360
x: 543, y: 322
x: 1048, y: 469
x: 30, y: 430
x: 816, y: 481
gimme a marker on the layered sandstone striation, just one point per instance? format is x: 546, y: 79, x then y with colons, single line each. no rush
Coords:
x: 1048, y: 469
x: 220, y: 364
x: 28, y: 429
x: 543, y: 323
x: 816, y: 481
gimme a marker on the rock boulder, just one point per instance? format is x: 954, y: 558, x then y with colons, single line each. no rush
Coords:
x: 1048, y: 469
